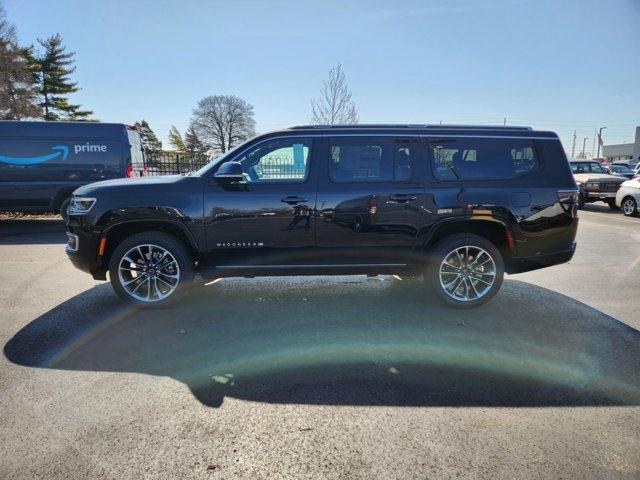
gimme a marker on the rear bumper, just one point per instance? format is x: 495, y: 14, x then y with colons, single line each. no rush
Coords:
x: 526, y: 264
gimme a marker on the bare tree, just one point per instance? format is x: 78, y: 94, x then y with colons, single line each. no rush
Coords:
x: 334, y: 107
x: 223, y: 121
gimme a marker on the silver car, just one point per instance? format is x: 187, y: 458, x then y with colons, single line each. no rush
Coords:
x: 628, y: 197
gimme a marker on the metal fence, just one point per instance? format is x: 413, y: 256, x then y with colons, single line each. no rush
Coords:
x: 171, y: 164
x: 270, y: 167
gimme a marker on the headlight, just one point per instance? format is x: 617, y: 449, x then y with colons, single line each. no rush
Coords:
x: 81, y: 205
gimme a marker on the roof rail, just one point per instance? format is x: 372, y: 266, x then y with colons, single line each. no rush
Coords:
x: 431, y: 126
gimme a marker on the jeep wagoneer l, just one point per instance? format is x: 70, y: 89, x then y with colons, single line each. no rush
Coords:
x: 460, y: 205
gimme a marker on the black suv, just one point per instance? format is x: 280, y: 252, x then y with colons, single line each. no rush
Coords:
x: 460, y: 204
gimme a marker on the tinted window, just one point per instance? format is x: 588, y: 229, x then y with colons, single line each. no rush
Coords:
x: 276, y: 161
x: 483, y: 159
x: 578, y: 167
x: 364, y: 159
x: 596, y: 168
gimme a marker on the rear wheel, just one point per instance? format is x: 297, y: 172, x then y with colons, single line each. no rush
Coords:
x: 465, y: 270
x: 630, y: 207
x: 151, y: 269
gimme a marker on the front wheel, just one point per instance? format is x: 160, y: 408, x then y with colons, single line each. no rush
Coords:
x: 612, y: 203
x: 151, y: 268
x: 465, y: 270
x: 630, y: 207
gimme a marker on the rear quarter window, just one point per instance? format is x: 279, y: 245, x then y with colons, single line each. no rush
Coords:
x: 482, y: 159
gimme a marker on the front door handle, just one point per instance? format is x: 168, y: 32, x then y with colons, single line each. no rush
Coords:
x: 401, y: 198
x: 293, y: 199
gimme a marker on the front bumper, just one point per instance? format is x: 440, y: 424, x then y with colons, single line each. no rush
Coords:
x: 82, y: 252
x: 600, y: 195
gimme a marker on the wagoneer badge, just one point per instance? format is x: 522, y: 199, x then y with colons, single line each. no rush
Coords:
x: 240, y: 244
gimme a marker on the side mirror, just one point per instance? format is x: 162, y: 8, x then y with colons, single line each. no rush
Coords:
x: 229, y: 172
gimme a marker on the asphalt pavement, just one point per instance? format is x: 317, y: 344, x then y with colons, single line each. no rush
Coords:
x: 322, y: 377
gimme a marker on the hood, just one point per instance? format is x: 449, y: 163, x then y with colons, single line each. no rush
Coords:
x: 600, y: 177
x: 126, y: 183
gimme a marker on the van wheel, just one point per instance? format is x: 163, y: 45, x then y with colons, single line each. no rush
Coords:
x: 580, y: 201
x: 151, y: 269
x: 465, y: 270
x: 64, y: 209
x: 630, y: 207
x: 612, y: 203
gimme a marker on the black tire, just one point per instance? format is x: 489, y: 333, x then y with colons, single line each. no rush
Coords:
x: 64, y: 209
x: 629, y: 206
x: 447, y: 246
x: 612, y: 203
x: 580, y: 201
x: 176, y: 249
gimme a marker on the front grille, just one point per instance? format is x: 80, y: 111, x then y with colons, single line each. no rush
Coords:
x: 609, y: 187
x: 603, y: 187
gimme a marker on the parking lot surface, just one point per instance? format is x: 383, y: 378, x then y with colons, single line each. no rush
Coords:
x: 322, y: 377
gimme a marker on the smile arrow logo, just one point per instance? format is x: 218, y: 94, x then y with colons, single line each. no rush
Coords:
x: 62, y: 150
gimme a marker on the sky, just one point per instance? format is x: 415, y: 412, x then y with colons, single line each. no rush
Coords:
x: 554, y: 65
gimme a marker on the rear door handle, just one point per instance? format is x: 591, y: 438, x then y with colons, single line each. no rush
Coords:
x: 402, y: 197
x: 293, y: 199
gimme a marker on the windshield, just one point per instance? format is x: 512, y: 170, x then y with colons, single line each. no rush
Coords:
x: 621, y: 169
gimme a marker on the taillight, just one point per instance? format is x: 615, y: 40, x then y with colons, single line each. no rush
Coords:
x: 129, y: 171
x: 567, y: 196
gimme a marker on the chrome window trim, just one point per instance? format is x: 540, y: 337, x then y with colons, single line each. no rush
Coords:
x: 408, y: 135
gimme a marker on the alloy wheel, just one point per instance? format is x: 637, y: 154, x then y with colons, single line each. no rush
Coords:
x: 628, y: 206
x: 148, y: 273
x: 467, y: 273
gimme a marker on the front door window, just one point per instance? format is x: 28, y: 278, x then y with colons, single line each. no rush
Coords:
x: 277, y: 161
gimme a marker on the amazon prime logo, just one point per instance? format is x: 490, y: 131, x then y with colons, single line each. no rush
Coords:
x: 61, y: 151
x: 87, y: 147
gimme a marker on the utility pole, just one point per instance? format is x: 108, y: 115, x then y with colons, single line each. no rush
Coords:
x: 573, y: 149
x: 584, y: 143
x: 505, y: 121
x: 600, y: 142
x: 593, y: 149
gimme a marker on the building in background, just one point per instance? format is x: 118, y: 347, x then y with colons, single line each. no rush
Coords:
x: 623, y: 152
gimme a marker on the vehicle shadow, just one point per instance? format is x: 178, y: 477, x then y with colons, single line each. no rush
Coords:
x: 32, y: 232
x: 348, y: 341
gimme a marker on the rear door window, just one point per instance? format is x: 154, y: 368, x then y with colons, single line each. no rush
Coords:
x: 370, y: 159
x: 482, y: 158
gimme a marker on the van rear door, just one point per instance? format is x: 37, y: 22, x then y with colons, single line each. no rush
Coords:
x: 136, y: 166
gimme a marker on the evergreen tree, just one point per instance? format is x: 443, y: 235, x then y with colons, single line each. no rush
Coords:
x: 53, y: 69
x: 18, y: 96
x: 197, y: 149
x: 150, y: 143
x: 175, y: 139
